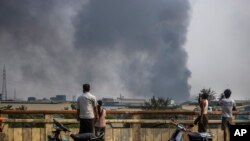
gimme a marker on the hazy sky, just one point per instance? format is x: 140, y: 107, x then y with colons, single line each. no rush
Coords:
x: 167, y: 48
x: 132, y: 48
x: 218, y: 46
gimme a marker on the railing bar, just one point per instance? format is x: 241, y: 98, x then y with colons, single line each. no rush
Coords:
x: 169, y: 112
x: 74, y: 121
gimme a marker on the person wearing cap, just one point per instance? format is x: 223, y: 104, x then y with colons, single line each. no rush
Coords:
x: 101, y: 122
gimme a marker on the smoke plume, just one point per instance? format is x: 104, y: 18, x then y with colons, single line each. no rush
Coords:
x: 128, y: 47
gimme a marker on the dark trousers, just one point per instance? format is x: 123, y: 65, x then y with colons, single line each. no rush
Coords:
x: 86, y: 126
x: 202, y: 125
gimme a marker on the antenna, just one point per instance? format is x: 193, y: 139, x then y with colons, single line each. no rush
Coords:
x: 4, y: 89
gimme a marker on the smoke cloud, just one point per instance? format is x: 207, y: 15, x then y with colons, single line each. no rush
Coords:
x: 132, y: 48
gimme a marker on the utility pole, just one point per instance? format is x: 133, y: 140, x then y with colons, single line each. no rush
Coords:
x: 15, y: 94
x: 4, y: 89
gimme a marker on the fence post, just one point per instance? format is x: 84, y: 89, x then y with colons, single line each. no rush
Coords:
x: 192, y: 118
x: 3, y: 127
x: 48, y: 125
x: 136, y: 133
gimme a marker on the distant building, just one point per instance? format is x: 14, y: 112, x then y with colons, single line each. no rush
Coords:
x: 242, y: 102
x: 122, y: 102
x: 43, y: 100
x: 1, y: 98
x: 73, y: 98
x: 172, y: 102
x: 53, y: 99
x: 31, y: 99
x: 59, y: 98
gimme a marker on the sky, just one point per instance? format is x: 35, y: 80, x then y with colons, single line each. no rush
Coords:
x: 218, y: 46
x: 137, y: 49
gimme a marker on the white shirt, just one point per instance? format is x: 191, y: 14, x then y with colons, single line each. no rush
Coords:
x: 86, y: 104
x: 227, y: 105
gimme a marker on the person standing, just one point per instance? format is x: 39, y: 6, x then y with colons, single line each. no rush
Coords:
x: 227, y: 106
x: 101, y: 123
x: 202, y: 119
x: 86, y: 110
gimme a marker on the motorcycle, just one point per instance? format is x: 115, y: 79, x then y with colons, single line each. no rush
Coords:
x: 192, y: 136
x: 55, y: 136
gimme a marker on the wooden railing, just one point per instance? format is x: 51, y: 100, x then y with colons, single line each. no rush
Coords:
x: 134, y: 131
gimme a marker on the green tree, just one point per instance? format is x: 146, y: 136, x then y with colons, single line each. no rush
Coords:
x: 8, y: 107
x: 158, y: 103
x: 73, y: 106
x: 211, y: 94
x: 22, y: 107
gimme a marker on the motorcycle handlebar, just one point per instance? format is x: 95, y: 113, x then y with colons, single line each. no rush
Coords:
x: 60, y: 126
x: 181, y: 127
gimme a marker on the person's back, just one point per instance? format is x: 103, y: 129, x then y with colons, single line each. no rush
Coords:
x: 86, y: 110
x: 101, y: 123
x: 102, y: 119
x: 204, y: 106
x: 86, y: 102
x: 202, y: 119
x: 227, y: 105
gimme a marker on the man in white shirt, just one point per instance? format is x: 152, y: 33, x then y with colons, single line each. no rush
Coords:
x: 87, y: 110
x: 227, y: 106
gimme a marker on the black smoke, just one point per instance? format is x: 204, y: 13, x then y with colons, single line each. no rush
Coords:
x: 128, y: 47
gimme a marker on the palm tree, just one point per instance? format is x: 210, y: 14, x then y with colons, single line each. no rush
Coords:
x: 211, y: 94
